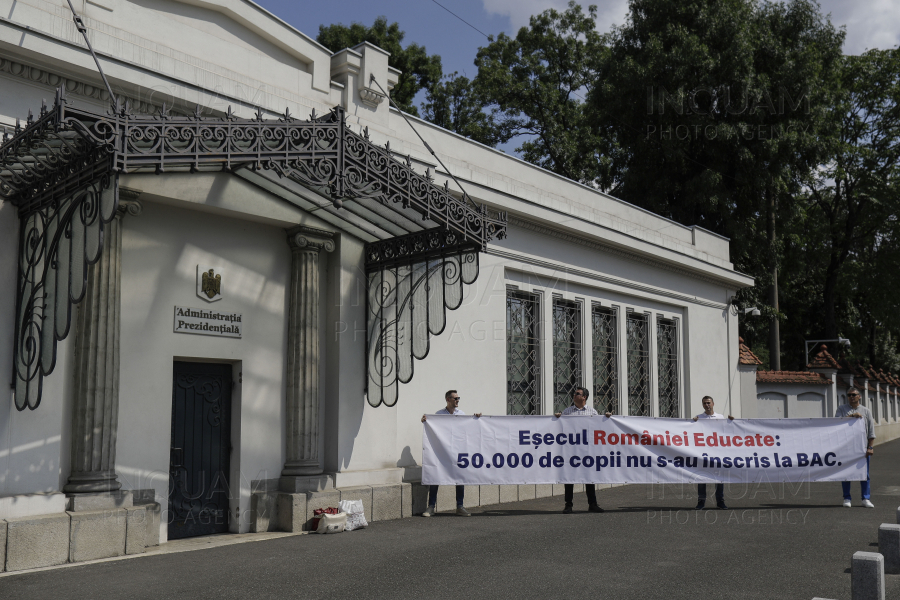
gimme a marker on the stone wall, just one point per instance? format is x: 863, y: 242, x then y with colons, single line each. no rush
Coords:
x: 115, y: 528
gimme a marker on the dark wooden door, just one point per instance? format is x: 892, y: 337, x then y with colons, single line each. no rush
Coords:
x: 200, y: 451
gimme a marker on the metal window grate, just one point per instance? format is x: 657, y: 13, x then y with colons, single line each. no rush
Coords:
x: 567, y: 370
x: 667, y: 365
x: 523, y: 372
x: 638, y: 365
x: 604, y: 329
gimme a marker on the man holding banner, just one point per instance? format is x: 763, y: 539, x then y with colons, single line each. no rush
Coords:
x: 579, y: 408
x: 853, y: 409
x: 452, y: 408
x: 528, y: 450
x: 709, y: 413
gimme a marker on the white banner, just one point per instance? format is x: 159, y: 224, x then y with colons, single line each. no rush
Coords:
x: 522, y: 450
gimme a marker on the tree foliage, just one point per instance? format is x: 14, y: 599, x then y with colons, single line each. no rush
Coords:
x: 454, y: 104
x: 850, y: 206
x: 716, y: 107
x: 535, y: 81
x: 418, y: 69
x: 741, y: 116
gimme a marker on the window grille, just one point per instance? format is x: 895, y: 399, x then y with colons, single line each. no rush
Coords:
x: 567, y: 373
x: 604, y: 326
x: 667, y: 365
x: 638, y: 365
x: 522, y: 354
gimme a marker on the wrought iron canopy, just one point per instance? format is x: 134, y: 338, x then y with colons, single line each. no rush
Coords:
x: 61, y: 170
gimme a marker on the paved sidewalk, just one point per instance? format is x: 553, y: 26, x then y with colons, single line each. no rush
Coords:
x: 780, y: 541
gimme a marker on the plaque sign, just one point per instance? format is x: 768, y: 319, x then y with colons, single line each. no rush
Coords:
x: 206, y: 321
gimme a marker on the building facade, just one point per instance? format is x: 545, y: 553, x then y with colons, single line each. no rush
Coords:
x: 819, y: 391
x: 256, y: 280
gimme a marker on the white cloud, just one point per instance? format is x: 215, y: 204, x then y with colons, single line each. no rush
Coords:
x: 870, y: 23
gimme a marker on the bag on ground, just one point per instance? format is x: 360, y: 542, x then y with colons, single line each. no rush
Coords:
x: 356, y: 516
x: 328, y: 520
x: 331, y: 522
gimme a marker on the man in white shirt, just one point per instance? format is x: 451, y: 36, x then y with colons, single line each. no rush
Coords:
x: 580, y: 408
x: 854, y: 410
x: 452, y: 408
x: 709, y: 413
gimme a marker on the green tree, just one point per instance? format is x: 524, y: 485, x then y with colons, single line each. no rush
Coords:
x: 534, y: 84
x: 714, y: 106
x: 418, y: 69
x: 454, y: 104
x: 854, y: 193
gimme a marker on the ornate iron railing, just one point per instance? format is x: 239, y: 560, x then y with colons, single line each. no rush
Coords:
x: 431, y: 243
x: 523, y: 354
x: 667, y: 367
x: 567, y: 347
x: 637, y: 326
x: 605, y: 338
x: 61, y: 169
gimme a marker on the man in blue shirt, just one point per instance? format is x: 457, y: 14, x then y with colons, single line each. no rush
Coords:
x: 854, y: 410
x: 452, y: 408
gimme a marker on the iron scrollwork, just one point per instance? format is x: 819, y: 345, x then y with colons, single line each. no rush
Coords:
x: 66, y: 191
x: 61, y: 171
x: 407, y: 304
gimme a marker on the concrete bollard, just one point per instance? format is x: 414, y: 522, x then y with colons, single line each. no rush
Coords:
x: 867, y: 576
x: 889, y: 546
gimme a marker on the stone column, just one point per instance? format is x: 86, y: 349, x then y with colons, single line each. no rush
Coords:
x: 95, y: 415
x: 302, y: 428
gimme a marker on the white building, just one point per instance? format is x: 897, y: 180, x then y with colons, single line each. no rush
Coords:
x: 298, y: 223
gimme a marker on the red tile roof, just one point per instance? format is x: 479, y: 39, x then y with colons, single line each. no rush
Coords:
x: 843, y: 382
x: 745, y: 355
x: 806, y: 377
x: 823, y: 360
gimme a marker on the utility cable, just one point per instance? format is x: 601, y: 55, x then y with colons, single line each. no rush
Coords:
x: 461, y: 19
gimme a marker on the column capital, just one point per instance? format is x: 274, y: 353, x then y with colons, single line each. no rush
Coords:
x: 310, y: 239
x: 129, y: 203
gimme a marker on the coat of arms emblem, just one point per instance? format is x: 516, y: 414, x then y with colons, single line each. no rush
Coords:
x: 209, y: 283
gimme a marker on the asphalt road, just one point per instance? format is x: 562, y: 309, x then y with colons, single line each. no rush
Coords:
x: 776, y: 542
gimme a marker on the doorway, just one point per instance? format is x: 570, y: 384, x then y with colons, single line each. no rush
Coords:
x: 200, y: 451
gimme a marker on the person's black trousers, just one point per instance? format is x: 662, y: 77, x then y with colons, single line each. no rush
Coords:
x: 589, y: 489
x: 720, y: 493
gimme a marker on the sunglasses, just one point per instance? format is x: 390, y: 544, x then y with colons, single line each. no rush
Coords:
x: 854, y: 396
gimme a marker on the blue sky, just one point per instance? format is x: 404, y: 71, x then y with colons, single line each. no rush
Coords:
x: 870, y: 23
x: 424, y: 22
